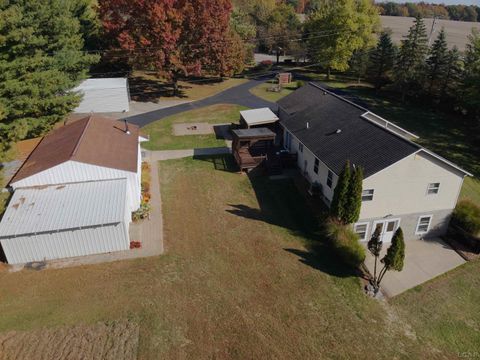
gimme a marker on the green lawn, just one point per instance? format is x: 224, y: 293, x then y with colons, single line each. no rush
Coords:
x: 262, y: 92
x: 161, y: 132
x: 240, y: 280
x: 445, y: 312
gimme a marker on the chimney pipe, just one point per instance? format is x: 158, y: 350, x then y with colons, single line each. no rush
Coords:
x: 308, y: 125
x: 127, y: 131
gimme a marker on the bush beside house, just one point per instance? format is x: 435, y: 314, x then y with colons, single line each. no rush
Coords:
x: 345, y: 242
x: 465, y: 224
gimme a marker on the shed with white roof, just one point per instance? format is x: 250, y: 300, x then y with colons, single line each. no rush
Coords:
x: 107, y: 95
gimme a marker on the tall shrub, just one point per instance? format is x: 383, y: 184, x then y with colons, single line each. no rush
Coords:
x: 395, y: 257
x: 467, y: 216
x: 337, y: 208
x: 354, y: 197
x: 345, y: 243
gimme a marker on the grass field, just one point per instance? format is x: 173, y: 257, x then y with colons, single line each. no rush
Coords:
x: 240, y: 280
x: 161, y: 132
x: 154, y: 88
x: 262, y: 92
x: 445, y: 312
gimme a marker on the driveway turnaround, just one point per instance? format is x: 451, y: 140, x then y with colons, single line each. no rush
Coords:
x: 424, y: 260
x: 238, y: 95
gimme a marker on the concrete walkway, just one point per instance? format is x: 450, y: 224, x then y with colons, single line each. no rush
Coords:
x: 424, y: 260
x: 238, y: 95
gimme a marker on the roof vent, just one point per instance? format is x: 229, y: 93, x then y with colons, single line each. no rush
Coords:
x: 325, y: 93
x: 308, y: 125
x: 127, y: 130
x: 338, y: 131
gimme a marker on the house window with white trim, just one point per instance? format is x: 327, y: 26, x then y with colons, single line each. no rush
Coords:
x: 361, y: 230
x: 423, y: 224
x: 367, y: 195
x: 329, y: 179
x: 300, y: 147
x: 316, y: 165
x: 433, y: 188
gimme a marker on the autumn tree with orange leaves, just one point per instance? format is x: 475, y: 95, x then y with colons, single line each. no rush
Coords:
x: 178, y: 38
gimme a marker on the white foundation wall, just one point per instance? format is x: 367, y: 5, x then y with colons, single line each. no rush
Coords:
x: 73, y: 171
x: 402, y: 187
x: 65, y: 244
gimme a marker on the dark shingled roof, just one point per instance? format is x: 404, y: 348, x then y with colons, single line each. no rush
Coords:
x: 253, y: 133
x: 92, y: 140
x: 362, y: 142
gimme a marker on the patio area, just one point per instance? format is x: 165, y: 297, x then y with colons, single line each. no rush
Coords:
x: 424, y: 260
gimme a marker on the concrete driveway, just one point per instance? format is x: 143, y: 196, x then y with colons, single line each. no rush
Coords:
x: 424, y: 260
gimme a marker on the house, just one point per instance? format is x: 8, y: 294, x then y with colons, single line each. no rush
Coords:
x: 90, y: 149
x: 75, y: 193
x: 106, y: 95
x: 404, y: 184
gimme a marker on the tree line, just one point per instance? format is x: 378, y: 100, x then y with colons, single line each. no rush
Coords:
x: 434, y: 74
x: 469, y: 13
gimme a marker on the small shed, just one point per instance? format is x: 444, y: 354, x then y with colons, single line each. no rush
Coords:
x: 61, y: 221
x: 257, y: 117
x: 250, y: 147
x: 107, y: 95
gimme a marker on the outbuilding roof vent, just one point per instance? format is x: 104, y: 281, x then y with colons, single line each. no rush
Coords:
x: 338, y: 131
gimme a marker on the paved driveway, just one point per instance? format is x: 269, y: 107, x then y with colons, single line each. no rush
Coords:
x: 424, y: 260
x: 239, y: 95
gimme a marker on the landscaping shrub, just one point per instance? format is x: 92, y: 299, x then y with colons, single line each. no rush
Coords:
x: 345, y: 243
x: 300, y: 83
x: 467, y: 217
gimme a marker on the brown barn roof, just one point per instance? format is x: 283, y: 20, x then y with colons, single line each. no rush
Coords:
x: 92, y: 140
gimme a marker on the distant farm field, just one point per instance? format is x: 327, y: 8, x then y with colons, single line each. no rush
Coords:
x: 457, y: 31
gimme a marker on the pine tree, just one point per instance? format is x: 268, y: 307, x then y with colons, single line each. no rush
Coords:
x: 354, y: 197
x: 453, y: 72
x: 471, y: 80
x: 337, y: 208
x: 395, y: 256
x: 359, y: 63
x: 437, y: 64
x: 382, y: 60
x: 409, y: 68
x: 41, y: 59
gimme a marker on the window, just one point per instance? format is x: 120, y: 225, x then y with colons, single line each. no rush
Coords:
x: 300, y: 147
x: 361, y: 230
x: 315, y: 166
x: 367, y: 195
x: 423, y: 224
x: 433, y: 188
x: 330, y: 179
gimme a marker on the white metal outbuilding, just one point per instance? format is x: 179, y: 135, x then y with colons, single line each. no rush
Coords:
x: 108, y: 95
x: 60, y: 221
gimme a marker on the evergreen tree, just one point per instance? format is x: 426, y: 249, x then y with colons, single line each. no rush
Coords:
x: 337, y: 207
x: 437, y: 64
x: 375, y: 245
x: 453, y: 73
x: 353, y: 203
x: 382, y: 60
x: 409, y: 69
x: 346, y: 26
x: 41, y: 59
x: 359, y: 63
x: 395, y: 256
x: 471, y: 80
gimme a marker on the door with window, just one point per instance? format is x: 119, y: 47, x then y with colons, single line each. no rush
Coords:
x: 387, y: 228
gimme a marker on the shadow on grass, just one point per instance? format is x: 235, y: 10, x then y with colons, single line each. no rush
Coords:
x: 282, y: 205
x: 221, y: 162
x: 147, y: 90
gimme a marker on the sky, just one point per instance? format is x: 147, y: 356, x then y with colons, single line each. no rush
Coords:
x: 446, y: 2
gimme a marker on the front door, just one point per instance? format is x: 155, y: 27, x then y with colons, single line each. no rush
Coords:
x: 387, y: 228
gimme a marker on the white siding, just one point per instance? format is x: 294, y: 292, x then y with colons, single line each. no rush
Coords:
x: 402, y: 188
x: 308, y: 170
x: 73, y: 171
x: 58, y: 245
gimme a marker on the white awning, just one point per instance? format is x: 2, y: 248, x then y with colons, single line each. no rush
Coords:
x: 258, y: 116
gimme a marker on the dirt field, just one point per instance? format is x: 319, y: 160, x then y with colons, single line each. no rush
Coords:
x: 107, y: 341
x: 457, y: 31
